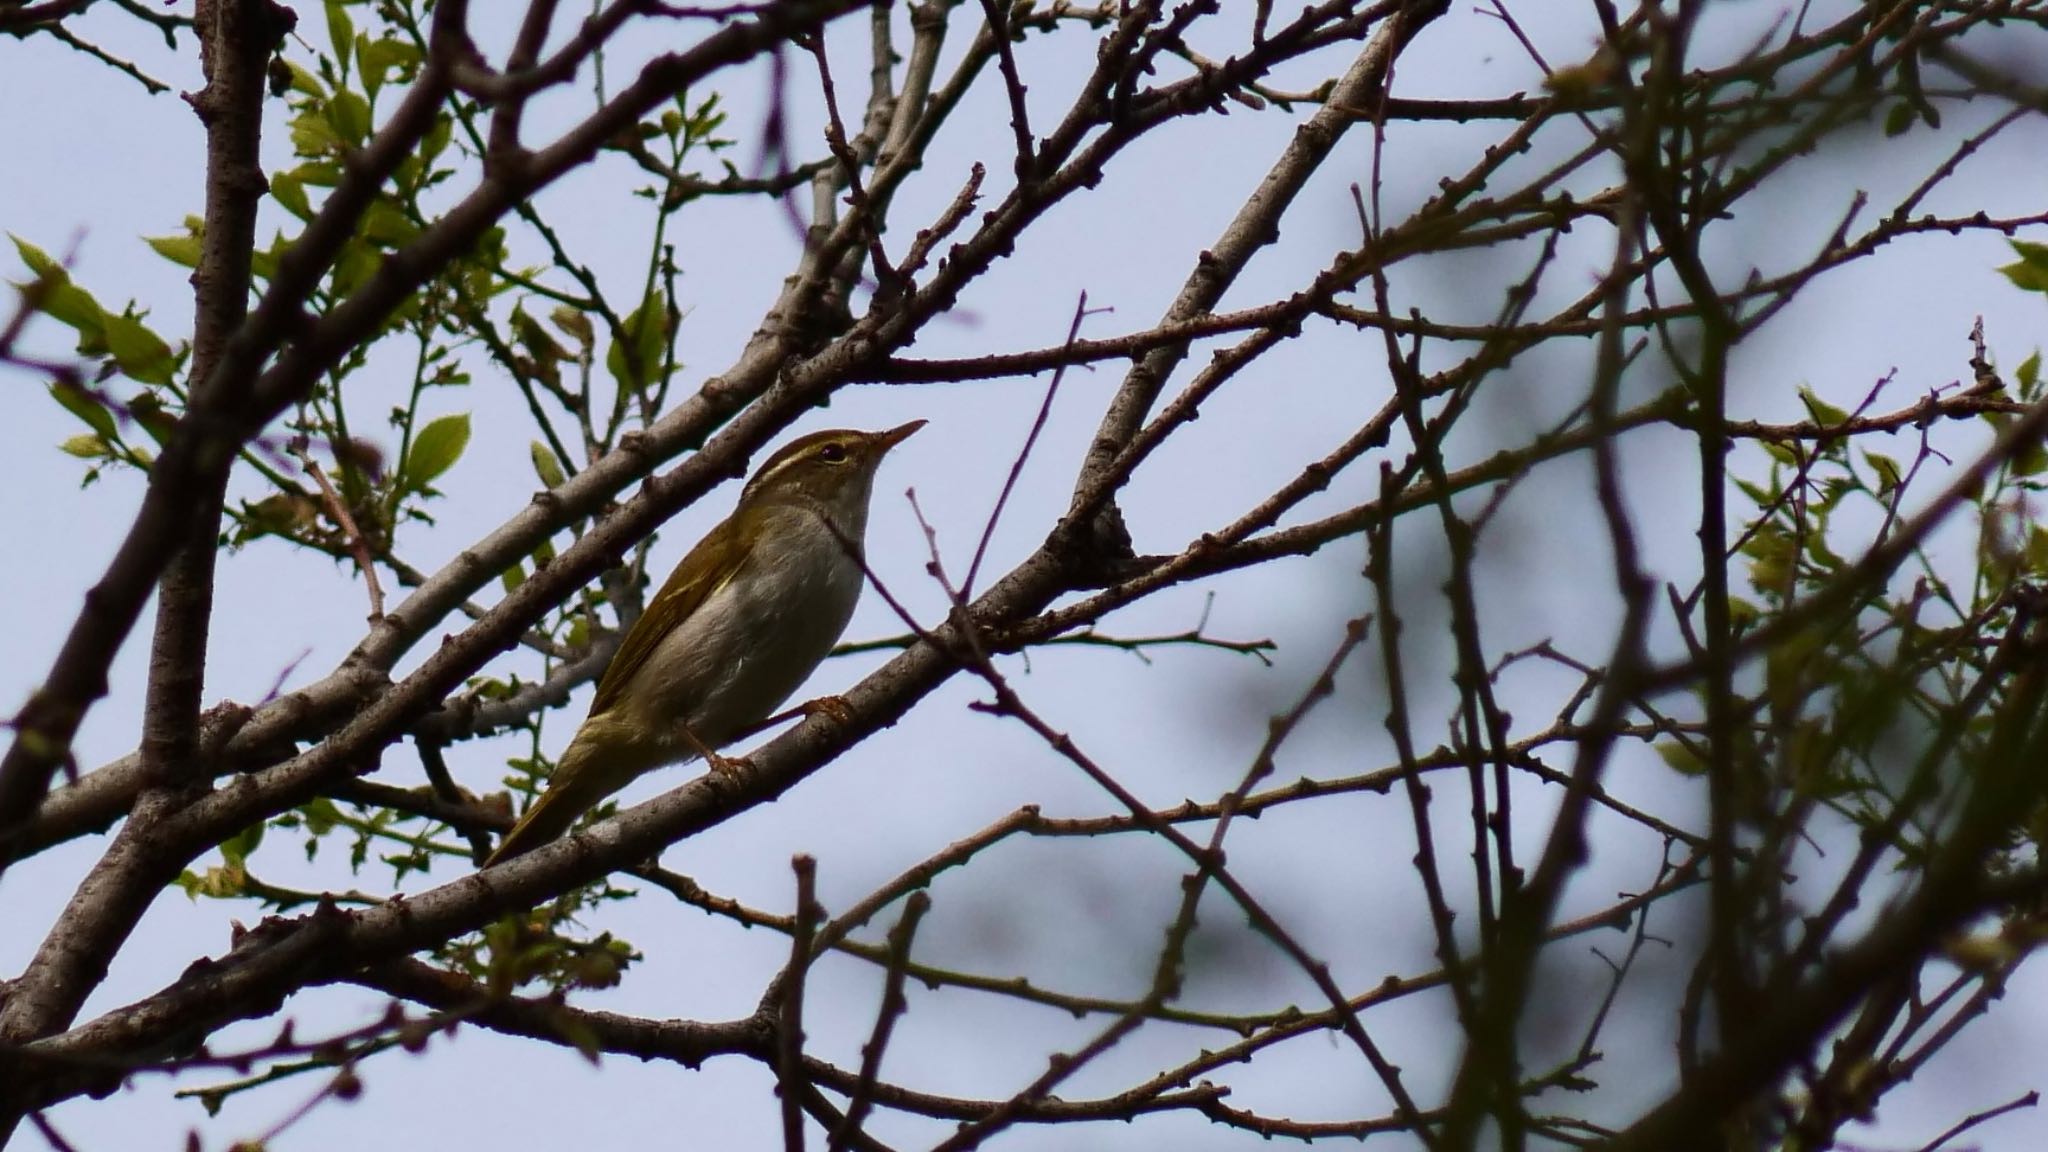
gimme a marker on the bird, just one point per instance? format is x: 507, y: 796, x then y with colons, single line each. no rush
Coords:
x: 743, y: 620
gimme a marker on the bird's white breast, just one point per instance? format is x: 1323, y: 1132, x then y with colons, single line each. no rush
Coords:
x: 758, y: 637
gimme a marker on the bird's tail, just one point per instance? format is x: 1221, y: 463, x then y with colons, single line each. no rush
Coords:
x: 550, y: 817
x: 588, y: 772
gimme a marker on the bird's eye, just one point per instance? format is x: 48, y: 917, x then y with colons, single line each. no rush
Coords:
x: 834, y: 453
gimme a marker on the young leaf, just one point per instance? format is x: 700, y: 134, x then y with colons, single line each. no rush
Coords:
x: 2037, y: 548
x: 38, y: 261
x: 435, y: 449
x: 380, y: 59
x: 1823, y: 413
x: 573, y: 322
x: 86, y: 407
x: 436, y: 140
x: 235, y: 849
x: 180, y: 250
x: 75, y: 308
x: 286, y: 189
x: 635, y: 359
x: 341, y: 31
x: 2030, y: 461
x: 141, y: 353
x: 2031, y: 254
x: 350, y: 116
x: 2026, y: 275
x: 546, y: 466
x: 305, y: 83
x: 312, y: 135
x: 1681, y: 758
x: 385, y: 225
x: 148, y: 410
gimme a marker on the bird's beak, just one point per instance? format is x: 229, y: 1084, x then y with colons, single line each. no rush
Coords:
x: 898, y: 434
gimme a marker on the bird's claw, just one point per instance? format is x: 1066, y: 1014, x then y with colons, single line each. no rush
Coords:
x: 730, y: 767
x: 833, y: 708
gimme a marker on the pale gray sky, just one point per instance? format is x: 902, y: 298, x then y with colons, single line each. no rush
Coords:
x: 96, y: 163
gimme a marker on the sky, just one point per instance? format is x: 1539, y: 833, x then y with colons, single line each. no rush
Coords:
x: 107, y: 165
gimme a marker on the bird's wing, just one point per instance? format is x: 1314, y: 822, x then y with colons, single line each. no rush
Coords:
x: 692, y: 583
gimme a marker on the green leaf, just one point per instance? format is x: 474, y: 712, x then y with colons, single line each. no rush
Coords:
x: 2037, y: 548
x: 2029, y: 375
x: 357, y: 263
x: 2030, y: 253
x: 350, y: 116
x: 372, y: 77
x: 279, y: 514
x: 148, y: 410
x: 385, y: 225
x: 306, y: 83
x: 235, y: 849
x: 86, y: 407
x: 436, y: 140
x: 1742, y: 614
x: 511, y: 578
x: 546, y: 466
x: 536, y: 339
x: 60, y: 299
x: 141, y: 353
x: 579, y: 1035
x: 341, y: 31
x: 573, y: 322
x: 321, y: 816
x: 1823, y: 413
x: 1887, y: 470
x: 89, y: 446
x: 289, y: 191
x: 318, y: 173
x: 1680, y: 757
x: 313, y: 134
x: 2027, y: 276
x: 180, y: 250
x: 38, y: 261
x: 1818, y: 551
x: 2030, y: 461
x: 1771, y: 554
x: 436, y: 449
x: 1898, y: 119
x: 263, y: 261
x: 75, y: 308
x: 635, y: 359
x: 1785, y: 669
x: 381, y: 59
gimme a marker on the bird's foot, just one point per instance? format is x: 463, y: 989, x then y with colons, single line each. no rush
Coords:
x: 730, y: 767
x: 833, y: 708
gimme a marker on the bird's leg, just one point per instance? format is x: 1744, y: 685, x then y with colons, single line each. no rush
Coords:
x: 730, y: 766
x: 833, y: 708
